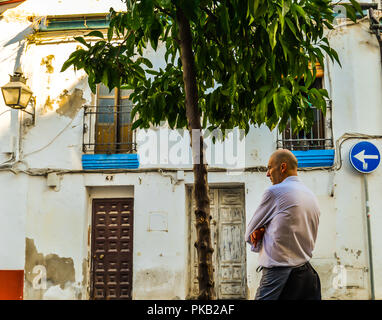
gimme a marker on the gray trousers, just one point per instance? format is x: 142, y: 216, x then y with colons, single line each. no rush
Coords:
x: 272, y: 283
x: 289, y: 283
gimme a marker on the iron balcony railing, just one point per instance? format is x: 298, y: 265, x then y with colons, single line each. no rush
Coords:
x: 107, y: 129
x: 320, y: 135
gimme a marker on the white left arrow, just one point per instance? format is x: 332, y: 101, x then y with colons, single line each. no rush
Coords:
x: 361, y: 156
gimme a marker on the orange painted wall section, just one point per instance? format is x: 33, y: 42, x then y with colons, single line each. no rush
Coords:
x: 10, y: 1
x: 11, y: 284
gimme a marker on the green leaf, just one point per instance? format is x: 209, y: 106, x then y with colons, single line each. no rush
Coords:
x: 252, y: 7
x: 282, y: 20
x: 82, y: 40
x: 153, y: 72
x: 272, y: 33
x: 137, y: 123
x: 73, y: 59
x: 286, y: 97
x: 259, y: 71
x: 350, y: 12
x: 95, y: 33
x: 356, y: 6
x: 332, y: 53
x: 155, y: 32
x: 263, y: 111
x: 145, y: 61
x: 68, y: 63
x: 285, y: 4
x: 285, y: 49
x: 277, y: 103
x: 110, y: 33
x: 225, y: 20
x: 301, y: 12
x: 291, y: 26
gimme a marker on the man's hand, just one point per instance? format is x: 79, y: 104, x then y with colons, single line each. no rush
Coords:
x: 257, y: 235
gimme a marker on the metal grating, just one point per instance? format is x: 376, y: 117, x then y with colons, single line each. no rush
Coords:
x: 319, y: 136
x: 107, y: 129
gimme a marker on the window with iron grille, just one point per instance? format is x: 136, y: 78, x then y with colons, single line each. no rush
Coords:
x: 318, y: 137
x: 107, y: 125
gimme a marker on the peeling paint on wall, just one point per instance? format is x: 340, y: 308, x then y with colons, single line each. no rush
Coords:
x: 85, y: 268
x: 47, y: 62
x: 60, y: 272
x: 355, y: 253
x: 70, y: 104
x: 48, y: 105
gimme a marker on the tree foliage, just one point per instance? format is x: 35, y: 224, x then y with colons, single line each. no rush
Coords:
x: 250, y: 58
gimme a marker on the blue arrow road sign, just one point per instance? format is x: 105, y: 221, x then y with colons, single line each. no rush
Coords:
x: 364, y: 157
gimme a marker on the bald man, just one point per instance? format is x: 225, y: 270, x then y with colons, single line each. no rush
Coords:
x: 283, y: 231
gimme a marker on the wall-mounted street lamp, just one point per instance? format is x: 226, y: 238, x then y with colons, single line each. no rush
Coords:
x: 17, y: 94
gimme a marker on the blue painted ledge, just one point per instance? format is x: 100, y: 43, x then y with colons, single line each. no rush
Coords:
x: 315, y: 158
x: 110, y: 161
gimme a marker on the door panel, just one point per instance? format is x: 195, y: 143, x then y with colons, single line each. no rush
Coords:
x: 227, y: 236
x: 112, y: 249
x: 231, y: 248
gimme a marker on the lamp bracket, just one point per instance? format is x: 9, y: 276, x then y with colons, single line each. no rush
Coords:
x: 33, y: 114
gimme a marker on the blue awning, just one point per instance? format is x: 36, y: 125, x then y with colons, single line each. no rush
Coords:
x: 315, y: 158
x: 110, y: 161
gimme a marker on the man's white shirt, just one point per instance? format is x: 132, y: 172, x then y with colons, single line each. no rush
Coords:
x: 290, y: 213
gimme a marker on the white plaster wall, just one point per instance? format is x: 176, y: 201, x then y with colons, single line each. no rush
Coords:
x: 355, y: 91
x: 54, y: 133
x: 13, y: 201
x: 57, y: 223
x: 355, y: 88
x: 350, y: 203
x: 12, y: 45
x: 13, y: 208
x: 160, y: 257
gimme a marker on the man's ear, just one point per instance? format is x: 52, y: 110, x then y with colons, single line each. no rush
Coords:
x: 283, y: 167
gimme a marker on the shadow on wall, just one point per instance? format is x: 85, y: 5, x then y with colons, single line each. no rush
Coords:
x: 18, y: 39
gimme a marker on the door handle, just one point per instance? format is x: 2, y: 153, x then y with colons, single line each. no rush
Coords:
x: 101, y: 256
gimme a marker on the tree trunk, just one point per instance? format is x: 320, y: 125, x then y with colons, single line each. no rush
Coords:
x: 200, y: 191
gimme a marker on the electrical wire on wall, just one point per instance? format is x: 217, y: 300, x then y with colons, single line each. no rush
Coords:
x: 48, y: 144
x: 347, y: 136
x: 8, y: 164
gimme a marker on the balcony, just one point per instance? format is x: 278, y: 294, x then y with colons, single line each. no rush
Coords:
x: 108, y: 141
x: 312, y: 148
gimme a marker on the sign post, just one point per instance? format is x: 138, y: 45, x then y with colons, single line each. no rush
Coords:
x: 365, y: 158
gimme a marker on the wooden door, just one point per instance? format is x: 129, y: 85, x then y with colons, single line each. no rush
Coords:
x: 112, y: 249
x: 227, y: 236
